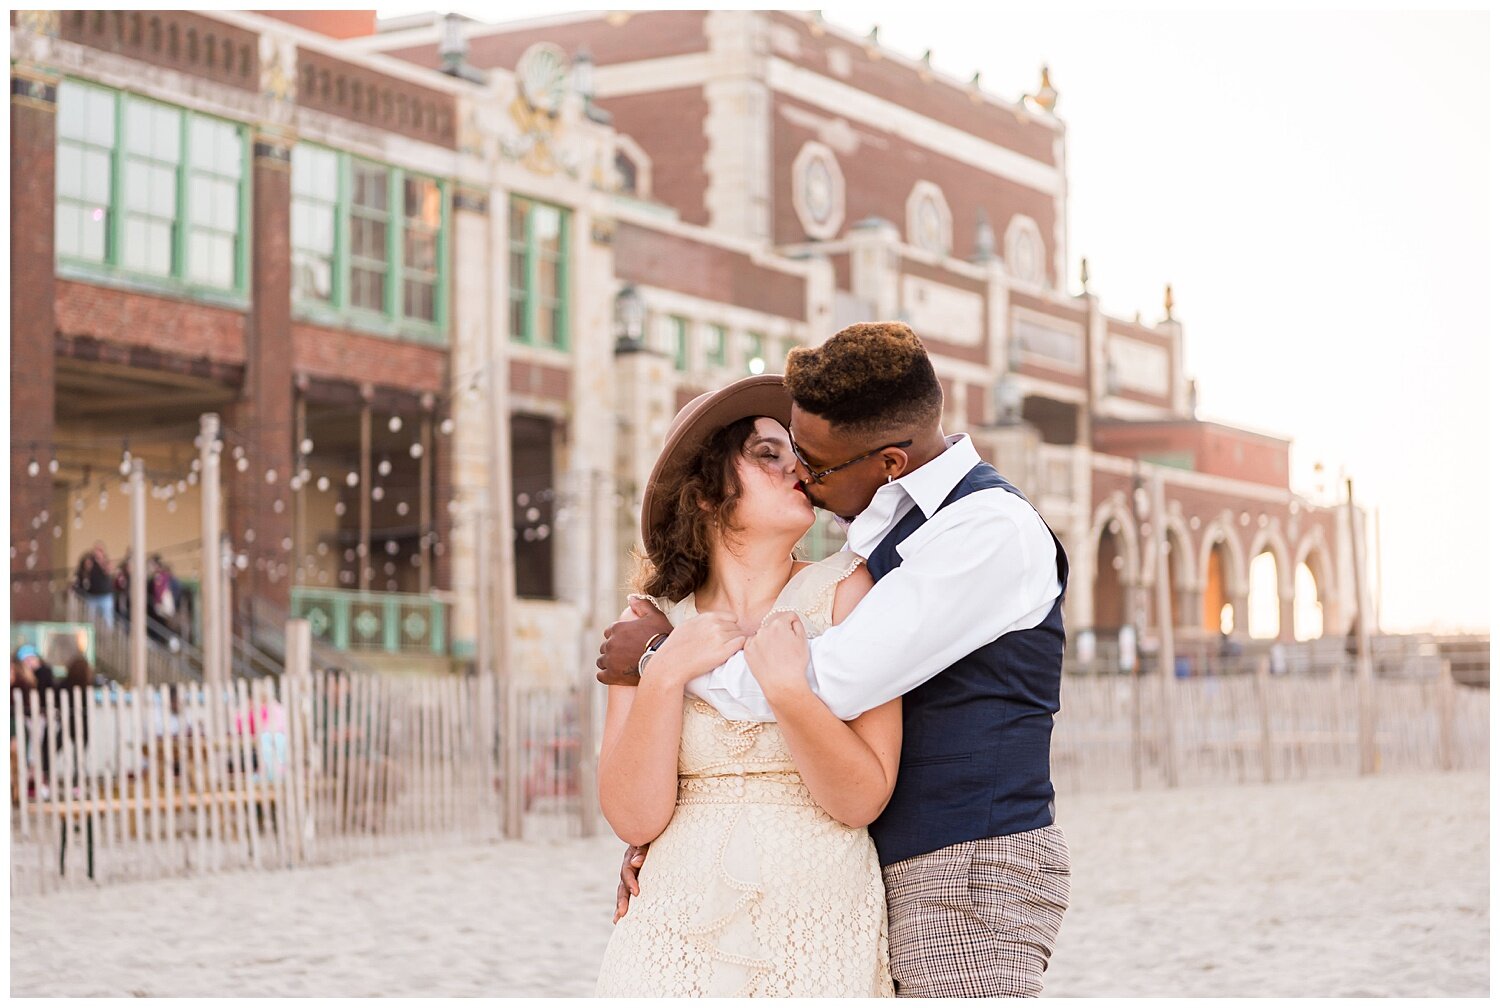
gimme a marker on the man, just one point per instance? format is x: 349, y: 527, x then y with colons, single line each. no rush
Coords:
x: 965, y: 621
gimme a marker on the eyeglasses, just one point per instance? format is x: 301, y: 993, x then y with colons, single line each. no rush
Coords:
x: 817, y: 475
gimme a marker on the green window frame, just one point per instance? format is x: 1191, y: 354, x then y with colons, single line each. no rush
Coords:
x: 369, y: 244
x: 539, y: 280
x: 717, y: 350
x: 150, y: 192
x: 677, y: 330
x: 755, y: 349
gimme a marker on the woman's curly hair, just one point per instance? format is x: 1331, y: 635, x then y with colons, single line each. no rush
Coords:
x: 869, y: 378
x: 678, y: 566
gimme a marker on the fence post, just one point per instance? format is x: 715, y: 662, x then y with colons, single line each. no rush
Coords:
x: 1136, y: 744
x: 1263, y: 708
x: 298, y: 674
x: 1446, y: 751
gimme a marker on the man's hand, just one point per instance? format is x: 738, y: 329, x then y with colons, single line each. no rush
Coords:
x: 625, y: 642
x: 778, y: 656
x: 700, y: 644
x: 629, y: 886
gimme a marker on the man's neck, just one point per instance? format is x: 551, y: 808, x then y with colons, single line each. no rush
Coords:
x: 926, y: 448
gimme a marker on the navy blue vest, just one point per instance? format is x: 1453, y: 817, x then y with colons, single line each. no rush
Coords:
x: 977, y: 737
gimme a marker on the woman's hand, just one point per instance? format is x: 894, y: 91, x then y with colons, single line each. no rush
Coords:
x: 700, y: 644
x: 778, y: 656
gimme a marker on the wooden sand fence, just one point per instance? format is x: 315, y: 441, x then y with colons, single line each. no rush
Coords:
x: 1122, y: 732
x: 112, y: 784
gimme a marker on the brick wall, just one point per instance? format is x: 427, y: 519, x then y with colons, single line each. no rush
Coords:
x: 878, y: 179
x: 178, y: 327
x: 356, y: 358
x: 673, y: 262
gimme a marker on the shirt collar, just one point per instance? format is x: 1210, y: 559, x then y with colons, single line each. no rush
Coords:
x: 930, y: 484
x: 927, y: 486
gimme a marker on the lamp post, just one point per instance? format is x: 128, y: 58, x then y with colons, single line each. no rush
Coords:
x: 630, y: 320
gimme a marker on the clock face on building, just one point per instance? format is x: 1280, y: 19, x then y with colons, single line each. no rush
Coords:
x: 542, y: 75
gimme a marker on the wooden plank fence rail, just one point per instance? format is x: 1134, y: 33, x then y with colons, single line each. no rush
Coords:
x: 110, y: 784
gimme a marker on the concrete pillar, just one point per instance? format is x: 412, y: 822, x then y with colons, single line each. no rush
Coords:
x: 33, y: 323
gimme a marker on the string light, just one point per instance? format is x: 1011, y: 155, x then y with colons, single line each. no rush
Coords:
x: 384, y: 468
x: 446, y: 427
x: 416, y: 450
x: 306, y: 446
x: 394, y: 425
x: 32, y: 467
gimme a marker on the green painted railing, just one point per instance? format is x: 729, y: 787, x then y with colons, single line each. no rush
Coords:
x: 391, y: 622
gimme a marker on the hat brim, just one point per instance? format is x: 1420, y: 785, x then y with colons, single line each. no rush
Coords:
x: 759, y: 395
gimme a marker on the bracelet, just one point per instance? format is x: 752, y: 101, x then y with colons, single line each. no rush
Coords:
x: 651, y: 646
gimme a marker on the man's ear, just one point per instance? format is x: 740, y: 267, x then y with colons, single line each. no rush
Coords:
x: 895, y: 461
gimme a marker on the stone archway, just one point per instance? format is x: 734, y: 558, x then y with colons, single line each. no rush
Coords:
x: 1116, y: 552
x: 1221, y: 559
x: 1314, y: 596
x: 1268, y: 595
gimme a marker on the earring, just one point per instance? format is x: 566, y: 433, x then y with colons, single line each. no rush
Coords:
x: 888, y: 478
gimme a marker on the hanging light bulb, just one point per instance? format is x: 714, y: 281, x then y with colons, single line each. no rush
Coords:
x: 270, y: 475
x: 192, y: 479
x: 242, y: 463
x: 32, y: 468
x: 339, y: 508
x: 378, y: 493
x: 416, y: 449
x: 323, y: 484
x: 52, y: 465
x: 391, y: 547
x: 182, y: 486
x: 352, y: 479
x: 446, y: 427
x: 306, y: 446
x: 384, y: 468
x: 402, y: 508
x: 395, y: 425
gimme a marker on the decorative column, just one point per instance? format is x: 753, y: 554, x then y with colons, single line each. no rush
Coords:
x: 33, y: 323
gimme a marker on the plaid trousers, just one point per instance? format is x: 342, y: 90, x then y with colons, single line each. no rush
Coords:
x: 980, y: 918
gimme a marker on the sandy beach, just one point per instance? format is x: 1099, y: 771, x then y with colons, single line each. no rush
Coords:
x: 1375, y: 887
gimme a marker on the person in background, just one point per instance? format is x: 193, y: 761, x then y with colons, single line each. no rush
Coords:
x: 94, y: 580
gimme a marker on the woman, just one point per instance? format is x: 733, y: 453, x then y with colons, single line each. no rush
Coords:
x: 761, y: 879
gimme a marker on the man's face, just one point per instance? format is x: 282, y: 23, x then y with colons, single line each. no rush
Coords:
x: 847, y: 492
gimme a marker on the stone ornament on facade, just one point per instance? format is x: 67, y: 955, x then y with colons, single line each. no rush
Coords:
x: 38, y: 22
x: 929, y: 223
x: 278, y: 69
x: 542, y: 77
x: 818, y: 190
x: 1025, y: 253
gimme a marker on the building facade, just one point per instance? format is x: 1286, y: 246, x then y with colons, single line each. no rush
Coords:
x: 448, y: 316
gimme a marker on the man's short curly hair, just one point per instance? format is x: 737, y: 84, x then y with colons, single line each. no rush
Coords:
x: 871, y: 377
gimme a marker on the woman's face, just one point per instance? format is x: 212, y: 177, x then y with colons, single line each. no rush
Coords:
x: 771, y: 500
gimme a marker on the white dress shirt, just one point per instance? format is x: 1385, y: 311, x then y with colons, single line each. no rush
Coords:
x: 984, y: 566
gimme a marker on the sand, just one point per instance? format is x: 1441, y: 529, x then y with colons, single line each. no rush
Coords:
x: 1338, y: 888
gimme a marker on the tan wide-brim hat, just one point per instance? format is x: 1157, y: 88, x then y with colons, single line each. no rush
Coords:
x: 757, y: 396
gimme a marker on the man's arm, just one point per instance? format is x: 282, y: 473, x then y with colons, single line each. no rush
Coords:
x: 981, y: 567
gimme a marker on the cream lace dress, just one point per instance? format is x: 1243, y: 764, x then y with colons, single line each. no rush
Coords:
x: 752, y: 889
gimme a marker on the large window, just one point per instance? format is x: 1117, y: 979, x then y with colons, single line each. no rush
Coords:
x: 368, y: 242
x: 538, y: 274
x: 677, y: 331
x: 755, y: 353
x: 532, y: 475
x: 716, y: 350
x: 150, y: 190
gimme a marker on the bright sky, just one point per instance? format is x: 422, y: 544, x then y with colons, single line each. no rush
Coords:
x: 1315, y: 186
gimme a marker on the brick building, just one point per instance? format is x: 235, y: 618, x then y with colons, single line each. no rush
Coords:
x: 499, y: 283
